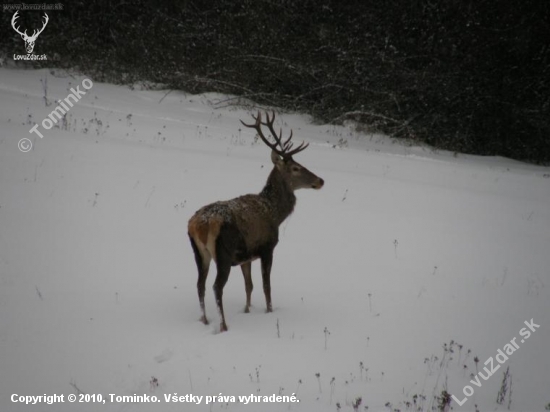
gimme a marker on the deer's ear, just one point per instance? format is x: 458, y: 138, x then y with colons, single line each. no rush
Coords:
x: 276, y: 159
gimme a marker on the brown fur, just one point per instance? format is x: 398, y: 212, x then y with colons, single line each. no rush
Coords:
x: 205, y: 232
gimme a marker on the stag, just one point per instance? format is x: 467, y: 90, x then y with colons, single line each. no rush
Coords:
x: 29, y: 40
x: 241, y: 230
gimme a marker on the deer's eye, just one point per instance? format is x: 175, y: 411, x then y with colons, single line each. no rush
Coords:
x: 295, y: 169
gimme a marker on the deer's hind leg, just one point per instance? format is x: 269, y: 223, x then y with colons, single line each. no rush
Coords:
x: 223, y: 264
x: 202, y: 259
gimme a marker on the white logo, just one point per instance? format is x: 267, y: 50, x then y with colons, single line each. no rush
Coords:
x: 29, y: 40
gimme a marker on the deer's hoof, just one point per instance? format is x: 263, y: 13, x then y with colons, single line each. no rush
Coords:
x: 223, y: 327
x: 204, y: 320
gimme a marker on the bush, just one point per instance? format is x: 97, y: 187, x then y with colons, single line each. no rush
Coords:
x: 461, y: 75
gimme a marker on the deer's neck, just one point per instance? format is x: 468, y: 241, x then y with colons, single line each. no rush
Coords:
x: 279, y: 195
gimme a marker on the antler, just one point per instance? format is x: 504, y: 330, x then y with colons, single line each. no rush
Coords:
x: 47, y: 19
x: 35, y: 32
x: 15, y: 17
x: 285, y: 147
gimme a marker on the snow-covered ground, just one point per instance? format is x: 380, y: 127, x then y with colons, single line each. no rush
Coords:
x: 387, y: 284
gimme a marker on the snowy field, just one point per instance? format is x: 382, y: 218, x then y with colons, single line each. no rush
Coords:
x: 398, y: 280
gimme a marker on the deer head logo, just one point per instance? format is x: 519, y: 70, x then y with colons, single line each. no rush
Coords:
x: 29, y: 40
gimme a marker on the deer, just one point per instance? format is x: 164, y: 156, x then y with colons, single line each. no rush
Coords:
x: 239, y: 231
x: 29, y: 40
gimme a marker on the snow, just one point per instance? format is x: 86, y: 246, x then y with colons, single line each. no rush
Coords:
x: 403, y: 251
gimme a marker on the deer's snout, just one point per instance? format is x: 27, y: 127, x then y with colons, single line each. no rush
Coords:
x: 318, y: 184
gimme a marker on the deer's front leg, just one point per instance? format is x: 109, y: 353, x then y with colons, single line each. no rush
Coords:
x: 267, y: 260
x: 247, y: 273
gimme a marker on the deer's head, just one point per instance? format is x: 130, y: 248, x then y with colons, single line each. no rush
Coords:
x: 293, y: 172
x: 29, y: 40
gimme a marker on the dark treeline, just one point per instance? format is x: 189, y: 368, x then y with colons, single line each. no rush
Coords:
x: 470, y: 76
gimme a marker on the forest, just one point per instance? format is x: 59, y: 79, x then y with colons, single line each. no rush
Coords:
x: 465, y: 76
